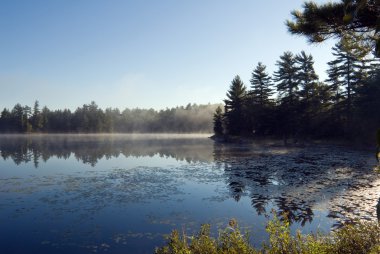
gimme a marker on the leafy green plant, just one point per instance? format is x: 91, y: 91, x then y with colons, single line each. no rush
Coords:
x: 228, y: 242
x: 360, y: 237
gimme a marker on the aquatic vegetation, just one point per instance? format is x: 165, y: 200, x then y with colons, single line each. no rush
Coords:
x: 360, y: 237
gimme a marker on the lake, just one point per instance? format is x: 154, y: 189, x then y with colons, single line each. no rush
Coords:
x: 123, y: 193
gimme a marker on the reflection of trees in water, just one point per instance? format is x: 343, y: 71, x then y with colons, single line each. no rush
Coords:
x: 298, y: 211
x: 293, y: 180
x: 90, y: 149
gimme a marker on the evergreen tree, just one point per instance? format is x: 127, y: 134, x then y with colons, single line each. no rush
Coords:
x: 309, y: 104
x: 345, y: 62
x: 287, y: 87
x: 335, y: 87
x: 36, y: 117
x: 260, y: 104
x: 367, y: 105
x: 261, y: 85
x: 5, y: 120
x: 286, y: 77
x: 45, y: 119
x: 306, y: 76
x: 218, y: 121
x: 336, y: 19
x: 335, y: 82
x: 234, y: 107
x: 27, y: 113
x: 17, y: 115
x: 347, y: 73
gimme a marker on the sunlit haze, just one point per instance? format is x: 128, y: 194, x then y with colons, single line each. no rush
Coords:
x: 146, y: 54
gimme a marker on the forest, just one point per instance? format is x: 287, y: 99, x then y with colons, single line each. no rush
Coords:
x: 294, y: 103
x: 90, y: 118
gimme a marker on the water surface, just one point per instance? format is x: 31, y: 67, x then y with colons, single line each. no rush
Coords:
x: 122, y: 193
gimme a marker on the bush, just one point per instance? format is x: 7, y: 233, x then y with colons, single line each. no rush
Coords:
x: 360, y: 237
x: 203, y: 243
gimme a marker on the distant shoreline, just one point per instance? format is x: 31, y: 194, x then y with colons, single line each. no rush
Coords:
x: 160, y: 135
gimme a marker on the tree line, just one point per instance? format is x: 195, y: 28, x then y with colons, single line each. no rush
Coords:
x: 295, y: 103
x: 91, y: 119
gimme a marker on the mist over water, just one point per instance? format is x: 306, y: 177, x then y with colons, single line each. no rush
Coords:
x: 122, y: 193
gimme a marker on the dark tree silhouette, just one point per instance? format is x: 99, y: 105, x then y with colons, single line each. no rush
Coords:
x: 287, y: 87
x: 260, y: 108
x: 347, y: 73
x: 306, y: 76
x: 308, y: 81
x: 286, y: 77
x: 6, y: 121
x: 261, y: 85
x: 36, y: 119
x: 234, y: 107
x: 91, y: 119
x: 218, y: 121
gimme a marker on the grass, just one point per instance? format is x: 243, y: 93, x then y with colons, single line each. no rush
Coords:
x: 360, y: 237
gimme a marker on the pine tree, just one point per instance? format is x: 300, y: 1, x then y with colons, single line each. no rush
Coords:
x: 260, y: 103
x: 27, y: 113
x: 261, y: 85
x: 218, y: 121
x: 348, y: 72
x: 309, y: 104
x: 286, y: 77
x: 336, y: 19
x: 287, y: 87
x: 367, y: 105
x: 306, y: 76
x: 234, y: 107
x: 5, y: 120
x: 17, y: 115
x: 36, y: 117
x: 45, y: 113
x: 335, y: 82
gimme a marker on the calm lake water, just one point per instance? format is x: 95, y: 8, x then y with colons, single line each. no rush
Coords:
x: 123, y: 193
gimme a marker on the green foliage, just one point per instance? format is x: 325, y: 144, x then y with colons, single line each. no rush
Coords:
x: 282, y: 241
x: 361, y: 237
x: 204, y: 243
x: 336, y: 19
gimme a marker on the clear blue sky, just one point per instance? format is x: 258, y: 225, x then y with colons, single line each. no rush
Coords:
x: 142, y: 53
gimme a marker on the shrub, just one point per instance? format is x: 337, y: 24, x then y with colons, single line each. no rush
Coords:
x: 360, y: 237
